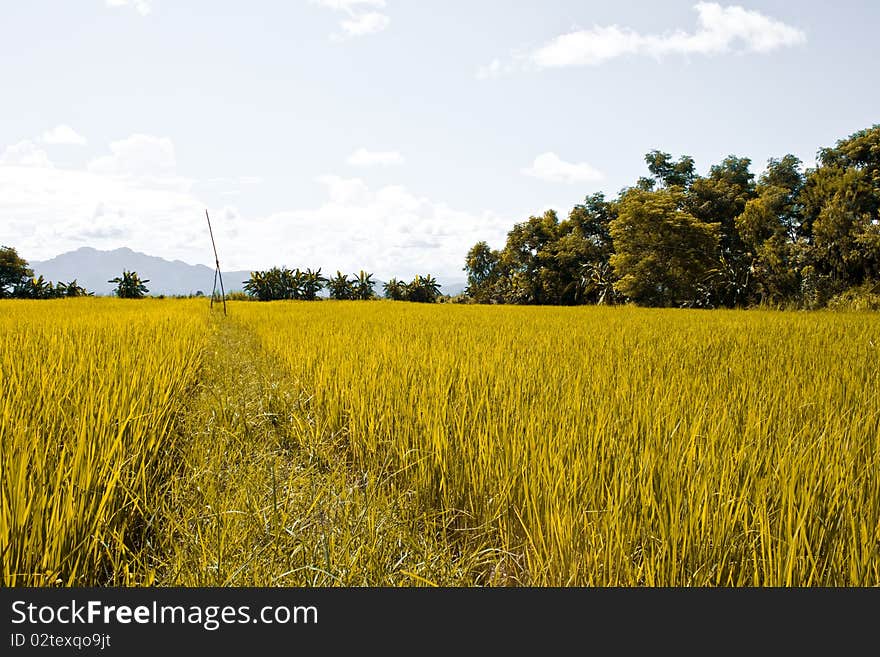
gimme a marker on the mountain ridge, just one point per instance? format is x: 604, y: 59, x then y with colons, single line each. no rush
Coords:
x: 93, y: 268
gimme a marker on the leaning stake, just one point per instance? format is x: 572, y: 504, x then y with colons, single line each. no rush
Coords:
x: 217, y: 272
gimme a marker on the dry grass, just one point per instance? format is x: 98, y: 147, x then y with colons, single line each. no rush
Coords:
x: 618, y: 446
x: 346, y: 443
x: 90, y: 391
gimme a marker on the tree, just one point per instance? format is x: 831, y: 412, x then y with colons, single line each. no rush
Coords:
x: 312, y: 284
x: 395, y: 290
x: 720, y: 198
x: 528, y: 261
x: 483, y: 271
x: 768, y: 228
x: 73, y: 289
x: 840, y: 207
x: 35, y: 288
x: 363, y: 286
x: 340, y: 287
x: 580, y: 255
x: 547, y: 261
x: 281, y: 283
x: 257, y: 286
x: 723, y: 239
x: 274, y: 284
x: 664, y: 256
x: 130, y: 285
x: 423, y: 289
x: 287, y: 283
x: 14, y: 271
x: 667, y: 173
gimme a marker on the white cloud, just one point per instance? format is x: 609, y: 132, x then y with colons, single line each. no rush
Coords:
x: 587, y: 47
x: 25, y: 154
x: 70, y: 208
x: 63, y: 134
x: 549, y: 167
x: 364, y: 158
x: 135, y: 197
x: 719, y: 30
x: 345, y: 191
x: 389, y: 231
x: 142, y: 6
x: 363, y: 24
x: 138, y: 155
x: 360, y: 19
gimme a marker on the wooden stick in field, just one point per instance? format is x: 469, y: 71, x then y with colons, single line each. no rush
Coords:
x: 217, y: 271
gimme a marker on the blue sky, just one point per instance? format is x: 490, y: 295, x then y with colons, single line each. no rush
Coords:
x: 391, y: 135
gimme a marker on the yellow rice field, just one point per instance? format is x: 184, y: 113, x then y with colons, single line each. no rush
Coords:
x: 533, y: 446
x: 90, y: 390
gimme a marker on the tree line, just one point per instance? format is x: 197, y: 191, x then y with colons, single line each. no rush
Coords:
x: 791, y: 238
x: 17, y: 280
x: 281, y: 283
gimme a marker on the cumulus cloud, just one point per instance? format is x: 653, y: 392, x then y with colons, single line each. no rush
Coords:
x: 363, y: 24
x: 389, y: 231
x: 135, y: 197
x: 360, y: 19
x: 364, y: 158
x: 345, y: 191
x: 132, y: 197
x: 141, y: 6
x: 138, y: 155
x: 63, y: 134
x: 719, y: 30
x: 549, y: 167
x: 69, y: 208
x: 25, y: 154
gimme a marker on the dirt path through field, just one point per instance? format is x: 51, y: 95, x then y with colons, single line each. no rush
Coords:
x: 260, y: 500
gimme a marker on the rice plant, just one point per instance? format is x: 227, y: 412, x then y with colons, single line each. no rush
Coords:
x: 90, y: 392
x: 349, y: 443
x: 611, y: 446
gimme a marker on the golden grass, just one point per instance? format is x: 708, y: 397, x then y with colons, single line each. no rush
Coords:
x: 90, y: 389
x: 351, y: 443
x: 610, y: 446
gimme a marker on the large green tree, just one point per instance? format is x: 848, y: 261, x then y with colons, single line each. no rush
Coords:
x: 664, y: 256
x: 527, y: 261
x: 666, y: 172
x: 769, y: 230
x: 841, y: 216
x: 14, y: 271
x: 483, y: 271
x: 584, y: 251
x: 719, y: 198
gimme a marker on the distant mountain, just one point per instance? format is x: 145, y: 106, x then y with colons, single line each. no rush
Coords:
x: 452, y: 288
x: 93, y: 268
